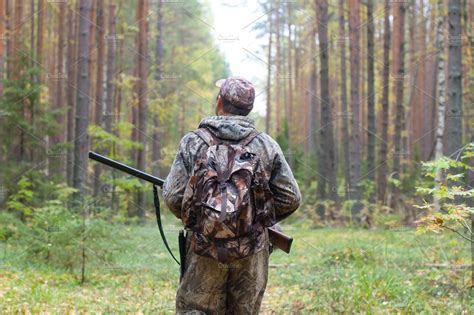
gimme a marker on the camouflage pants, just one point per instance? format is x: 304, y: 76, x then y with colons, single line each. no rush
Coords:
x: 211, y: 287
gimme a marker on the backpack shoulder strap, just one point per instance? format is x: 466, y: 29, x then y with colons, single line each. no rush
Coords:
x: 205, y: 136
x: 252, y: 135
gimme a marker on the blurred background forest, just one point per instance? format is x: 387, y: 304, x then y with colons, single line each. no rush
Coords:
x: 371, y: 101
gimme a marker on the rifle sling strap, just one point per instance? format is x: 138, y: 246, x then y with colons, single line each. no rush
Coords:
x: 156, y: 201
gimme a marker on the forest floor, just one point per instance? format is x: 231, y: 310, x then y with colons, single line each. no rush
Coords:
x: 328, y: 271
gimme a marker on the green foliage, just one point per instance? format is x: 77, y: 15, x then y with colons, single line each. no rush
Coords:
x: 21, y: 200
x: 453, y: 196
x: 105, y: 140
x: 55, y: 234
x: 10, y: 226
x: 368, y: 188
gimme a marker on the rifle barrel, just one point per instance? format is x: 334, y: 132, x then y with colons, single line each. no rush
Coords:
x: 127, y: 169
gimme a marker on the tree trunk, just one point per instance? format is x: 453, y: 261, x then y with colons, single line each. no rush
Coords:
x: 16, y: 34
x: 2, y: 46
x: 434, y: 80
x: 92, y: 59
x: 39, y: 38
x: 32, y: 36
x: 370, y: 98
x: 322, y: 154
x: 71, y: 84
x: 110, y: 80
x: 278, y: 72
x: 425, y: 131
x: 156, y: 147
x: 362, y: 96
x: 328, y: 156
x: 441, y: 79
x: 81, y: 140
x: 8, y: 42
x: 16, y: 68
x: 110, y: 86
x: 99, y: 94
x: 313, y: 100
x: 289, y: 102
x: 269, y: 75
x: 399, y: 76
x: 344, y: 111
x: 354, y: 185
x: 59, y: 137
x: 413, y: 110
x: 60, y: 65
x: 413, y: 119
x: 142, y: 53
x: 454, y: 91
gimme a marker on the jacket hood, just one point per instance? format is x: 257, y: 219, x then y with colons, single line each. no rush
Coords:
x: 228, y: 127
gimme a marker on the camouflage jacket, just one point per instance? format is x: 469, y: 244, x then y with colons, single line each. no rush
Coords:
x: 282, y: 183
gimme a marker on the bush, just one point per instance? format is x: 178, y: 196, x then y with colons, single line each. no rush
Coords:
x: 54, y: 233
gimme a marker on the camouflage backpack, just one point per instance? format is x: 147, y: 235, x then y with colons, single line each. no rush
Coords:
x: 227, y: 202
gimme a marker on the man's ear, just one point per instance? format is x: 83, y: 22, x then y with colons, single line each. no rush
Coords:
x: 219, y: 105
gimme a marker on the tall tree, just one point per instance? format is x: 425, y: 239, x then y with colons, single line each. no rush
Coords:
x: 278, y: 70
x: 156, y: 147
x: 434, y: 78
x: 382, y: 170
x: 40, y: 36
x: 354, y: 47
x: 8, y: 31
x: 92, y: 55
x: 269, y: 73
x: 328, y: 156
x: 99, y: 94
x: 441, y: 81
x: 59, y: 137
x: 70, y: 95
x: 290, y: 78
x: 39, y: 51
x: 313, y: 100
x: 60, y: 60
x: 414, y: 109
x: 422, y: 99
x: 344, y: 110
x: 454, y: 91
x: 2, y: 46
x: 322, y: 154
x: 81, y: 140
x: 16, y: 34
x: 370, y: 97
x: 16, y: 42
x: 142, y: 71
x: 399, y: 74
x: 110, y: 78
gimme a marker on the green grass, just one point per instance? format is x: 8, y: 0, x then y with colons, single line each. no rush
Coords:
x: 328, y: 271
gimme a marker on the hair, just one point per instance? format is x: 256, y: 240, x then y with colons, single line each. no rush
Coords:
x: 230, y: 108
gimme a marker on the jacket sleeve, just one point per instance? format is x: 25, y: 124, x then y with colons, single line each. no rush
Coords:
x: 175, y: 183
x: 286, y: 193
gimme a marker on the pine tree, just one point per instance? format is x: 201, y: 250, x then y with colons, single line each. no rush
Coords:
x: 142, y: 72
x: 382, y: 170
x: 370, y: 98
x: 354, y: 185
x: 81, y: 140
x: 398, y: 75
